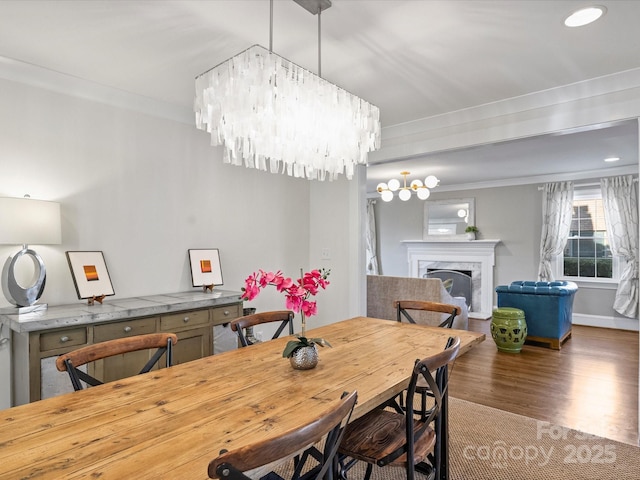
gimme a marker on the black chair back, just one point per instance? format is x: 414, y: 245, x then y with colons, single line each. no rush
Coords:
x: 403, y: 307
x: 72, y: 361
x: 233, y: 464
x: 285, y: 317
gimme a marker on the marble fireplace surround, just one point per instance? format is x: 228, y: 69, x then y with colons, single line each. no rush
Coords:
x: 478, y: 256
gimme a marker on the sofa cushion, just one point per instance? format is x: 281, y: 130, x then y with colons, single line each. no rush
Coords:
x: 560, y: 288
x: 384, y: 290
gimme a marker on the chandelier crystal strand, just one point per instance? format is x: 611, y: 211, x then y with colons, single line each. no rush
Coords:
x: 265, y: 109
x: 421, y: 190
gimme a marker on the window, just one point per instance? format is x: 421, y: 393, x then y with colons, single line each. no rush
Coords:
x: 587, y: 255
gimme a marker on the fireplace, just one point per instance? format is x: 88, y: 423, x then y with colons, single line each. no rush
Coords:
x: 457, y: 282
x: 476, y: 257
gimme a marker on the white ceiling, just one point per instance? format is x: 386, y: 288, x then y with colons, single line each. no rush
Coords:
x: 412, y: 58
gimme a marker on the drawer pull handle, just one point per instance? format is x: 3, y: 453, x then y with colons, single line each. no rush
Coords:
x: 226, y: 313
x: 185, y: 319
x: 127, y: 329
x: 64, y: 339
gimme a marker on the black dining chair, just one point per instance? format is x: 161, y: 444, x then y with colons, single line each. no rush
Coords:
x: 403, y: 308
x: 72, y: 361
x: 240, y: 463
x: 437, y: 311
x: 239, y: 325
x: 384, y: 437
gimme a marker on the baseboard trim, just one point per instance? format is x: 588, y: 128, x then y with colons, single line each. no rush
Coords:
x: 603, y: 321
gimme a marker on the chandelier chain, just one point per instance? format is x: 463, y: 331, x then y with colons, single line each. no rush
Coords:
x: 271, y: 27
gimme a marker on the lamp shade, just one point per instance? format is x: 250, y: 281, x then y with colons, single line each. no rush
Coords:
x: 25, y: 221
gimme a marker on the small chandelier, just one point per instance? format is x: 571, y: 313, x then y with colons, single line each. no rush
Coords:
x: 422, y: 189
x: 265, y: 109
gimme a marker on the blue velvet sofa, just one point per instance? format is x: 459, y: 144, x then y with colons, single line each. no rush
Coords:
x: 547, y: 306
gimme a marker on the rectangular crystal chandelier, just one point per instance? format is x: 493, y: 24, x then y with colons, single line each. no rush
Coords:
x: 266, y: 110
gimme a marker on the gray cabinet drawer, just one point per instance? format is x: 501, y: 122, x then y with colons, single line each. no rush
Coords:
x: 180, y: 321
x: 128, y: 328
x: 63, y: 338
x: 225, y: 314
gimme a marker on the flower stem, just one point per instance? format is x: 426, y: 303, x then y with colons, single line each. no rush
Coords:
x: 304, y: 323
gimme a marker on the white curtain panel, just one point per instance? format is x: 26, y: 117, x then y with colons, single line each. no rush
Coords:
x: 620, y: 201
x: 372, y: 259
x: 557, y: 202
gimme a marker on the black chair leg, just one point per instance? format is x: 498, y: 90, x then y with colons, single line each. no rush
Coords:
x: 427, y: 470
x: 345, y: 466
x: 367, y: 475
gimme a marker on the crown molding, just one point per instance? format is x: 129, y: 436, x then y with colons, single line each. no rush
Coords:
x: 40, y: 77
x: 607, y: 84
x: 595, y: 101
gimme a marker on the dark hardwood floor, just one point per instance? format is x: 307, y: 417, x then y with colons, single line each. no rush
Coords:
x: 591, y: 384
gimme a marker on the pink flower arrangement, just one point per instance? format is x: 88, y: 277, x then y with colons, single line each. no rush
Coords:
x: 297, y: 295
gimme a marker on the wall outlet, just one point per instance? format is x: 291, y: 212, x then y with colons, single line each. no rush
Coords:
x: 325, y: 254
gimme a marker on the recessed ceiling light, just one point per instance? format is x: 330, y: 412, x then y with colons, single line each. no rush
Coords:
x: 584, y: 16
x: 612, y: 159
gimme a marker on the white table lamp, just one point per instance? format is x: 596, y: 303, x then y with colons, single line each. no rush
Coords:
x: 25, y: 221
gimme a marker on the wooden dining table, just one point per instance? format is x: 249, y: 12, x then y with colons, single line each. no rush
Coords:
x: 170, y: 423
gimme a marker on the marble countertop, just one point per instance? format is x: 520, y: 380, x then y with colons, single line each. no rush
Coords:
x: 62, y: 316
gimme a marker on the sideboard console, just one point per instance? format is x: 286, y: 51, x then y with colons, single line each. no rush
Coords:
x: 39, y: 337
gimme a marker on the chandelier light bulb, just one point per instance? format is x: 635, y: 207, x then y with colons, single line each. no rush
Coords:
x: 404, y: 195
x: 387, y: 196
x: 382, y: 187
x: 462, y: 213
x: 423, y: 193
x: 394, y: 184
x: 431, y: 181
x: 416, y: 184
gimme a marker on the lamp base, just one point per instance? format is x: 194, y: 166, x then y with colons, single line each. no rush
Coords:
x: 16, y: 294
x: 24, y: 310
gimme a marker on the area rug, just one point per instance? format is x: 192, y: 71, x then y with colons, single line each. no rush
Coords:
x: 491, y: 444
x: 487, y: 443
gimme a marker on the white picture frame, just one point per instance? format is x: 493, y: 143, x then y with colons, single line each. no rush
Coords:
x: 206, y: 269
x: 90, y: 274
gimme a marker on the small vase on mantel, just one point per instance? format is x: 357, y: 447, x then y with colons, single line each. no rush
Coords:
x: 470, y: 232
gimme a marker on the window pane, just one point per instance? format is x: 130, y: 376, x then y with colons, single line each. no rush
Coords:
x: 570, y: 267
x: 587, y: 267
x: 604, y: 268
x: 587, y: 252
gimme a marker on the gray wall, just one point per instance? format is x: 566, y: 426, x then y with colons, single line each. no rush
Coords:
x: 144, y: 188
x: 511, y: 214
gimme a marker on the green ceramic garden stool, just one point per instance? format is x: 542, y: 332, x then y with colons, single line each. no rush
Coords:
x: 508, y: 329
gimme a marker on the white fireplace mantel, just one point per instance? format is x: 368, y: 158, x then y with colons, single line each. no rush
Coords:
x: 481, y: 252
